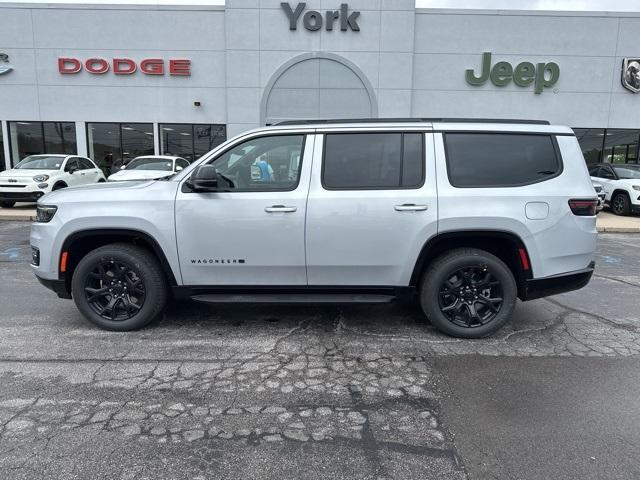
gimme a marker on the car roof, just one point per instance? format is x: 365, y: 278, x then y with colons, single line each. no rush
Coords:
x: 434, y: 124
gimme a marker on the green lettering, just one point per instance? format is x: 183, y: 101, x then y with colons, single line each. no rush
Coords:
x: 524, y: 74
x: 501, y: 74
x: 486, y: 66
x: 542, y: 81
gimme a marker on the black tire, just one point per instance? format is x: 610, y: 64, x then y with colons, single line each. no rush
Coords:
x: 449, y: 282
x: 620, y: 204
x: 58, y: 186
x: 138, y: 292
x: 7, y: 204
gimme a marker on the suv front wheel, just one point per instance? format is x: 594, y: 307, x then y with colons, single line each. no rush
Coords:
x: 468, y: 293
x: 119, y: 287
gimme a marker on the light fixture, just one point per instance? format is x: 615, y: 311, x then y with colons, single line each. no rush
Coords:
x: 167, y: 129
x: 185, y: 134
x: 127, y: 128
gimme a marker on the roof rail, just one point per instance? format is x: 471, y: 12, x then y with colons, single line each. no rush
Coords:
x: 411, y: 120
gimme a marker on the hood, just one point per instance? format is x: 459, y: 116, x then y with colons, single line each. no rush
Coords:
x: 139, y: 175
x: 628, y: 182
x: 98, y: 188
x: 24, y: 173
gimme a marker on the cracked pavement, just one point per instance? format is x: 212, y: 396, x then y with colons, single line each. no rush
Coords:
x: 354, y: 392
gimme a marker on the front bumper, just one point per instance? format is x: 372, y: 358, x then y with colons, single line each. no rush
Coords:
x: 20, y: 196
x: 563, y: 282
x: 59, y: 287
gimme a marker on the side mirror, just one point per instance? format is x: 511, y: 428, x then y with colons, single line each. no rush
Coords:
x: 122, y: 167
x: 204, y: 179
x: 179, y: 168
x: 72, y: 169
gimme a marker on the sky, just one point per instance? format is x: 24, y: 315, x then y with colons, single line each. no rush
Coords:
x: 572, y: 5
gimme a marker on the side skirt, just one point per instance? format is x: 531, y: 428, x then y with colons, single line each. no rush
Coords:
x: 294, y: 294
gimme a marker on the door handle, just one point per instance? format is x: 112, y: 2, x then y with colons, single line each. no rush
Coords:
x: 280, y: 208
x: 410, y: 207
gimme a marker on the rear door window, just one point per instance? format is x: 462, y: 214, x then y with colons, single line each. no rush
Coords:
x: 500, y: 159
x: 354, y: 161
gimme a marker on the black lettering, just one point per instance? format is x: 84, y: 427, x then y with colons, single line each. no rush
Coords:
x: 193, y: 261
x: 331, y: 17
x: 312, y: 20
x: 350, y: 21
x: 291, y: 15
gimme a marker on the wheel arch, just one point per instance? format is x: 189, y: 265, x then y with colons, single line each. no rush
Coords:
x: 503, y: 244
x: 62, y: 184
x: 81, y: 242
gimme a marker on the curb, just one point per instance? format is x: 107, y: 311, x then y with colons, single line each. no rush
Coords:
x: 618, y: 229
x: 23, y: 218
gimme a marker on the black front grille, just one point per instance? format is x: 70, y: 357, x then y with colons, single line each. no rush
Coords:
x: 12, y: 186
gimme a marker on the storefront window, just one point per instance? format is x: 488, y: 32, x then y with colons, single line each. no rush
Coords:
x: 31, y: 138
x: 112, y: 145
x: 190, y: 141
x: 2, y: 164
x: 621, y: 146
x: 591, y: 141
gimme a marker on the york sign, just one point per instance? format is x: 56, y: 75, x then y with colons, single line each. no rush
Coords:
x: 313, y: 20
x: 541, y: 75
x: 125, y: 66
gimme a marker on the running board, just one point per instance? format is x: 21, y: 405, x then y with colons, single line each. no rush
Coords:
x: 293, y: 298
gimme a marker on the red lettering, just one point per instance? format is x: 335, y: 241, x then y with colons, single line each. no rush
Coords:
x: 123, y: 66
x: 91, y: 63
x: 180, y: 67
x: 69, y: 65
x: 152, y: 66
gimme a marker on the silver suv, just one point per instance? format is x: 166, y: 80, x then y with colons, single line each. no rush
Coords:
x: 464, y: 216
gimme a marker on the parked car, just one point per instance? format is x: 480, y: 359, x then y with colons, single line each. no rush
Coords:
x: 152, y: 167
x: 36, y: 175
x: 621, y: 183
x: 464, y: 216
x: 601, y: 195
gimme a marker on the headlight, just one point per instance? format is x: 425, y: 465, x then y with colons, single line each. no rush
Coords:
x: 636, y: 187
x: 41, y: 178
x: 44, y: 213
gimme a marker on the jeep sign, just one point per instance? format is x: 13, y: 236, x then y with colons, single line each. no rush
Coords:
x: 542, y: 75
x: 313, y: 20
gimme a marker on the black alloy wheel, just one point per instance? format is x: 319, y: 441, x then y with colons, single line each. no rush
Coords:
x: 114, y: 290
x: 470, y: 296
x: 468, y: 293
x: 620, y: 204
x: 120, y: 287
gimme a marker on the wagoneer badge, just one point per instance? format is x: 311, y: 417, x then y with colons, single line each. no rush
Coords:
x: 631, y: 74
x: 4, y: 64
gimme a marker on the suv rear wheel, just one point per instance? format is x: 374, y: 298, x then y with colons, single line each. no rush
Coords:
x: 468, y: 293
x: 119, y: 287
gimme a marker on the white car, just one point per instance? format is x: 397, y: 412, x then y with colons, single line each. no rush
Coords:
x: 463, y: 216
x: 151, y: 167
x: 39, y: 174
x: 621, y: 184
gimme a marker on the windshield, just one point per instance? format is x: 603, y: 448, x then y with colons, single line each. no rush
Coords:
x: 628, y: 171
x: 39, y: 162
x: 150, y: 164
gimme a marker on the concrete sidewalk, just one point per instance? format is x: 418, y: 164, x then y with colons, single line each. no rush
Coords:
x: 607, y: 222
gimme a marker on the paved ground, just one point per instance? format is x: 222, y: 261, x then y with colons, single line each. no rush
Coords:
x: 353, y: 393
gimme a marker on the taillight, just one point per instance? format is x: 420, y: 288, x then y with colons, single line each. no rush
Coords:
x: 584, y: 208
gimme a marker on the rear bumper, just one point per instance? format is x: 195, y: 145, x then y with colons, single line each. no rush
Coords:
x: 59, y: 287
x: 564, y: 282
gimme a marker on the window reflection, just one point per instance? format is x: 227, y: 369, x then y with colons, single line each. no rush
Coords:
x: 31, y: 138
x: 190, y: 141
x: 112, y: 145
x: 621, y: 146
x: 611, y: 145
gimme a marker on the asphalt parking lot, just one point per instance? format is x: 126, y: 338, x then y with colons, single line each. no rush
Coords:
x: 333, y: 392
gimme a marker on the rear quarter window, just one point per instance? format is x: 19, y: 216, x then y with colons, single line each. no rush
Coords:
x: 500, y: 159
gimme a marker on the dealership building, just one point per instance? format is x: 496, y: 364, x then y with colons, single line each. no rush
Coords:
x: 116, y: 81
